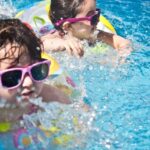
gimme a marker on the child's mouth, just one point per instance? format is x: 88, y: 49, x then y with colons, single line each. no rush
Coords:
x: 27, y: 95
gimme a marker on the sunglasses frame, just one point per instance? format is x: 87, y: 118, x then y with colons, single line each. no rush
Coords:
x: 73, y: 20
x: 25, y: 70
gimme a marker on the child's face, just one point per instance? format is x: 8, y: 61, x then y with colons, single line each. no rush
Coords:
x: 87, y: 9
x: 84, y: 28
x: 28, y: 88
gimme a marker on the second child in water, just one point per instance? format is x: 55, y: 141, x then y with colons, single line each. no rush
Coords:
x: 75, y: 20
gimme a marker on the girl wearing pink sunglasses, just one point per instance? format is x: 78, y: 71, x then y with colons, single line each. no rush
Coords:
x: 75, y: 20
x: 22, y: 71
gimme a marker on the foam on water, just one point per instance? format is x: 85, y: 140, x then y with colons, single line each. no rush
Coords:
x: 62, y: 117
x: 6, y: 9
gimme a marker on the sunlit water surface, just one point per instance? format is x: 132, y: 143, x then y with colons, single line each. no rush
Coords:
x: 119, y: 93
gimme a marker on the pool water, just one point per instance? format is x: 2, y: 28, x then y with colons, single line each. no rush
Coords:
x: 119, y: 93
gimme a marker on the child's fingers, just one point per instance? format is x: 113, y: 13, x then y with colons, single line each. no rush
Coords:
x: 73, y: 46
x: 125, y: 49
x: 68, y: 49
x: 76, y: 52
x: 76, y: 49
x: 80, y: 49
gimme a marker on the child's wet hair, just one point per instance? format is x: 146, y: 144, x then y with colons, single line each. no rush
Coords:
x: 14, y: 31
x: 64, y: 9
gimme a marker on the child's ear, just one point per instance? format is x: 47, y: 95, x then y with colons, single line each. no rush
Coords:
x: 66, y: 26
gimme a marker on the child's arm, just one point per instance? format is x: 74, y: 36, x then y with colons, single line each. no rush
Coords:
x: 51, y: 94
x: 52, y: 42
x: 113, y: 40
x: 91, y: 34
x: 55, y: 42
x: 122, y: 45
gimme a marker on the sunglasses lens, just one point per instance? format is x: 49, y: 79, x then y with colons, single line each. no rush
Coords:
x: 40, y: 72
x: 95, y: 19
x: 11, y: 78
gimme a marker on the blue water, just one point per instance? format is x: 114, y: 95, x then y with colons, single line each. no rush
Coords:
x: 121, y: 94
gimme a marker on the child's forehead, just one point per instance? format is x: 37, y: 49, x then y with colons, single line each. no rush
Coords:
x: 10, y: 49
x: 13, y: 55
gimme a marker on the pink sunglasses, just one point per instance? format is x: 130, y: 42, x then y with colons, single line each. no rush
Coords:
x: 12, y: 78
x: 93, y: 19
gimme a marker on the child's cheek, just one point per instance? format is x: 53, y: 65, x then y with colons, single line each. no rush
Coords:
x: 7, y: 94
x: 38, y: 88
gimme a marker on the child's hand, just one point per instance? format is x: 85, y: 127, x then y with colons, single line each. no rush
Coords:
x: 57, y: 43
x: 123, y: 46
x: 73, y: 45
x: 82, y: 31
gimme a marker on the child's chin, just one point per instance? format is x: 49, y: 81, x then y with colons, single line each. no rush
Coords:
x: 28, y: 96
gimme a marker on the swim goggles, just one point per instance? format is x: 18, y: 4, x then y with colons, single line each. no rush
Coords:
x: 93, y: 19
x: 12, y: 78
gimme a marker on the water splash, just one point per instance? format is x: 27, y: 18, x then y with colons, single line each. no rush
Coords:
x: 5, y: 11
x: 74, y: 121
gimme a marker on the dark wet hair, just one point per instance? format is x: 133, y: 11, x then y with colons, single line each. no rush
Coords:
x: 64, y: 9
x: 14, y: 31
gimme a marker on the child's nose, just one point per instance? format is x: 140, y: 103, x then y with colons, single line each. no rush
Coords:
x: 27, y: 81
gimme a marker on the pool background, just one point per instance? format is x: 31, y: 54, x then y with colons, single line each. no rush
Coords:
x: 121, y: 94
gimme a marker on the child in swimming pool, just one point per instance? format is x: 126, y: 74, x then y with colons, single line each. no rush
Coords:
x: 22, y: 71
x: 76, y: 20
